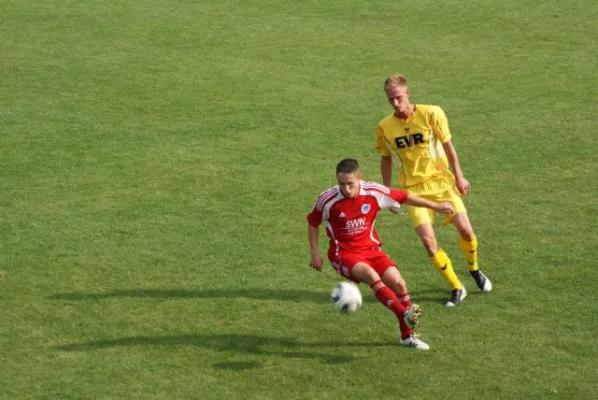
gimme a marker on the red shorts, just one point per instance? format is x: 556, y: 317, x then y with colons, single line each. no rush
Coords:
x: 344, y: 262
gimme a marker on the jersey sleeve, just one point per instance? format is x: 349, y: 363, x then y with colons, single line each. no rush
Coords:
x: 314, y: 218
x: 396, y: 198
x: 398, y: 195
x: 381, y: 147
x: 386, y: 197
x: 439, y: 124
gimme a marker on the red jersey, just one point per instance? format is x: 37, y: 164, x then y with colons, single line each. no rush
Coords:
x: 350, y: 222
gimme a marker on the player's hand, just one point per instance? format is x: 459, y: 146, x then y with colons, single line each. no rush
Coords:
x: 316, y: 262
x: 445, y: 208
x: 463, y: 185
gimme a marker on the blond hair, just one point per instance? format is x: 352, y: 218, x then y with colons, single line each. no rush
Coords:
x: 395, y: 80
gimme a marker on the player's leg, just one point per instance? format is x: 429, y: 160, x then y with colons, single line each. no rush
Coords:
x: 389, y: 272
x: 392, y: 278
x: 469, y: 246
x: 365, y: 273
x: 422, y: 219
x: 390, y: 275
x: 386, y: 268
x: 468, y: 242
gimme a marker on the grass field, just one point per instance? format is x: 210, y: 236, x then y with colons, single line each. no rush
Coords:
x: 159, y: 157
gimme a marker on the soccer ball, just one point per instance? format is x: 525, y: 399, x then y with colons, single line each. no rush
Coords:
x: 346, y: 297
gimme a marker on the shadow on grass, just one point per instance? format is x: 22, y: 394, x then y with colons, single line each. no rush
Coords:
x: 246, y: 344
x: 259, y: 294
x: 432, y: 295
x: 237, y: 365
x: 436, y: 295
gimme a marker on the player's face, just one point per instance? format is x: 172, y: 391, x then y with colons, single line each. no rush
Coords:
x: 398, y: 97
x: 349, y: 183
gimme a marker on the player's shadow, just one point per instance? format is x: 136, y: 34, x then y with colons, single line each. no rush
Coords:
x: 426, y: 295
x: 434, y: 295
x: 257, y: 293
x: 235, y: 343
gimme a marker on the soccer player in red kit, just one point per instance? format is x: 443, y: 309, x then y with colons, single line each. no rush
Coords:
x: 349, y: 211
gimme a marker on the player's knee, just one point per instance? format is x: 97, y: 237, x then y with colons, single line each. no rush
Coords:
x: 365, y: 273
x: 429, y: 242
x: 468, y: 235
x: 463, y: 225
x: 401, y: 287
x: 393, y: 279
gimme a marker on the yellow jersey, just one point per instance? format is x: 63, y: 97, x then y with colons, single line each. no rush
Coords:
x: 416, y: 144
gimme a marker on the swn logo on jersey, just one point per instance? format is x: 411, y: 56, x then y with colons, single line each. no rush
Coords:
x: 355, y: 223
x: 403, y: 142
x: 355, y: 226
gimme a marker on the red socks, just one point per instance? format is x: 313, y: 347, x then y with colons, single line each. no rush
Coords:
x: 405, y: 301
x: 390, y: 301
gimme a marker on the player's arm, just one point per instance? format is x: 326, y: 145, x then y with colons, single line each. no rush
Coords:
x: 385, y: 157
x: 386, y: 170
x: 313, y: 235
x: 314, y: 220
x: 439, y: 124
x: 453, y: 159
x: 442, y: 208
x: 395, y: 198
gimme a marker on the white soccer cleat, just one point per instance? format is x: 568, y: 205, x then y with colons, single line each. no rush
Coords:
x: 456, y: 297
x: 414, y: 342
x: 412, y: 316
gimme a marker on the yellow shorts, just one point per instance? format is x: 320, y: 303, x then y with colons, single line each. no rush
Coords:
x: 441, y: 189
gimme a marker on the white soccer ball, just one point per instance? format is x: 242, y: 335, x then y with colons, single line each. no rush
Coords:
x: 346, y: 297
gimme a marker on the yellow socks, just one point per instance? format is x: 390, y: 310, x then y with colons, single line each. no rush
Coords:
x: 470, y: 250
x: 443, y: 264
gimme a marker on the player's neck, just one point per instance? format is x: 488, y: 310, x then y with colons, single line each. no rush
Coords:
x: 406, y: 114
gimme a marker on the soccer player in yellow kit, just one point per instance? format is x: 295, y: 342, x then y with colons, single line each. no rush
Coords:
x: 417, y: 136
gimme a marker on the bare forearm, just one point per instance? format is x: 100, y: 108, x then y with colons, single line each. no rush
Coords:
x: 413, y: 200
x: 416, y: 201
x: 313, y: 234
x: 386, y: 170
x: 453, y: 159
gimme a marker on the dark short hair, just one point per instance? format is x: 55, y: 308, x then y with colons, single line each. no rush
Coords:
x: 347, y: 166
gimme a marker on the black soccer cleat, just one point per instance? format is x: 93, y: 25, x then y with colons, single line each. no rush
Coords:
x: 456, y: 297
x: 481, y: 280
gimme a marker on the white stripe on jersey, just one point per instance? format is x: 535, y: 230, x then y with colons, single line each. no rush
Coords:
x: 372, y: 234
x: 329, y: 226
x: 435, y: 147
x: 380, y: 192
x: 329, y: 204
x: 325, y: 196
x: 374, y: 185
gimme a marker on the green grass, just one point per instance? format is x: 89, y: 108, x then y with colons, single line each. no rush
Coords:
x: 159, y: 158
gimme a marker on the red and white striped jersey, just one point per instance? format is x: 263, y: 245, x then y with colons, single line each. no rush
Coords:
x: 350, y: 222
